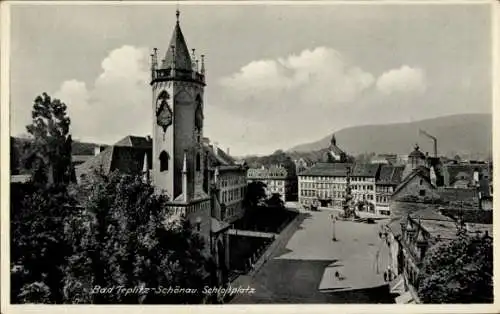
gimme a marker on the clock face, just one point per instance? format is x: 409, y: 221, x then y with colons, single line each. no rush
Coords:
x: 163, y: 112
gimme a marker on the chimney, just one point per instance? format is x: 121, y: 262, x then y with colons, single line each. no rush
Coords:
x: 227, y: 151
x: 148, y: 138
x: 97, y: 150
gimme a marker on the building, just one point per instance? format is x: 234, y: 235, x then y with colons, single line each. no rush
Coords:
x: 278, y: 179
x: 334, y: 153
x: 363, y: 184
x: 389, y: 178
x: 324, y: 182
x: 410, y: 237
x: 202, y: 182
x: 228, y: 179
x: 416, y: 187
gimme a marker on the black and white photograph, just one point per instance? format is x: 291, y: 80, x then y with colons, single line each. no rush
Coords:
x: 200, y: 153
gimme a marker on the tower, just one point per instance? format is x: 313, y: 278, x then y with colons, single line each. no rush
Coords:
x: 178, y: 82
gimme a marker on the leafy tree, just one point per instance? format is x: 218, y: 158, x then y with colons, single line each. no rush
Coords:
x: 458, y: 271
x: 49, y: 153
x: 275, y: 201
x: 256, y: 194
x: 38, y: 249
x: 123, y: 236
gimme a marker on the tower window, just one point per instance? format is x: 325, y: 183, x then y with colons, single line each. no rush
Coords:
x: 422, y: 193
x: 164, y: 158
x: 198, y: 162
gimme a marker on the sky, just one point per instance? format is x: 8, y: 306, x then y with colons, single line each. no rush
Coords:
x: 277, y: 75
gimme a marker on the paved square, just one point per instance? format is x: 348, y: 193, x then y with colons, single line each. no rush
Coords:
x: 303, y: 270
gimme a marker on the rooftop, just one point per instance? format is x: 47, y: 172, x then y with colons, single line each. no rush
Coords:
x: 327, y: 170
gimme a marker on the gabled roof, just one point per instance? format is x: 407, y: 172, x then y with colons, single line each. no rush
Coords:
x: 126, y: 156
x: 326, y: 169
x: 219, y: 159
x: 180, y: 50
x: 135, y: 141
x: 416, y: 172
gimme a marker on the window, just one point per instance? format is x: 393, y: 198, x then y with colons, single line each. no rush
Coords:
x: 422, y: 193
x: 198, y: 162
x: 421, y: 181
x: 164, y: 158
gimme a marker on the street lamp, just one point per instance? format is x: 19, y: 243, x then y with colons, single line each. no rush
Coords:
x: 334, y: 219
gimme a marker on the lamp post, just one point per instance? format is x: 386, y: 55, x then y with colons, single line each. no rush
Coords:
x: 334, y: 219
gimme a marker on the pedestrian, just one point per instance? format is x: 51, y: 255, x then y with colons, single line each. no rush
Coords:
x: 337, y: 275
x: 385, y: 276
x: 380, y: 235
x: 389, y: 273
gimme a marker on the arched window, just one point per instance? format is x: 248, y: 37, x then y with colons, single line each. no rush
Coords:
x: 198, y: 162
x: 164, y: 158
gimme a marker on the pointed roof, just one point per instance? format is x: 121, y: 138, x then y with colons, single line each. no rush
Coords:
x: 179, y: 49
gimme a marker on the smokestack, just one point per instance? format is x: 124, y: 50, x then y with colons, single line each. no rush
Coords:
x: 216, y: 149
x: 227, y: 151
x: 97, y: 150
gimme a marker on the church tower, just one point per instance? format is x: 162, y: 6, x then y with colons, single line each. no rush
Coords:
x: 178, y: 82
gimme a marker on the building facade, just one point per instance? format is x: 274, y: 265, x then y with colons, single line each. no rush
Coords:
x: 324, y: 182
x: 389, y: 178
x: 278, y: 179
x: 363, y: 185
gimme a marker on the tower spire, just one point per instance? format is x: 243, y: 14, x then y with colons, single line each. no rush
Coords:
x: 177, y: 13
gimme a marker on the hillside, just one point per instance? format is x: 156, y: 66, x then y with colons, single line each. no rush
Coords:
x: 469, y: 135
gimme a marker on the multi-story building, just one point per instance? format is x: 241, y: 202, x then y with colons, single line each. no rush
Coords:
x: 363, y: 184
x: 278, y: 179
x: 228, y: 179
x: 324, y: 182
x: 389, y: 178
x: 409, y: 239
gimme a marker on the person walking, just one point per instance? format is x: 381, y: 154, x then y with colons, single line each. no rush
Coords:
x: 389, y: 273
x: 385, y: 276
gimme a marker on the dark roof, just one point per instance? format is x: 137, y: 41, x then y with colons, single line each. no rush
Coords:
x: 425, y: 212
x: 401, y: 209
x: 182, y: 57
x: 365, y: 170
x: 219, y: 159
x: 135, y: 141
x: 327, y: 170
x: 452, y: 171
x: 390, y: 174
x: 126, y: 159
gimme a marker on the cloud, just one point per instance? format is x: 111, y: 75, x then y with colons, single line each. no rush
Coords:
x: 308, y: 74
x: 117, y: 104
x: 402, y: 80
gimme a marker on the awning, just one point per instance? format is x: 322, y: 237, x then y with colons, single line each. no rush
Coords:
x: 405, y: 298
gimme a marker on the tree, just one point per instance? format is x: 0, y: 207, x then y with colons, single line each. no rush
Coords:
x: 124, y: 236
x: 458, y: 271
x: 275, y: 201
x: 41, y: 209
x: 38, y: 249
x: 49, y: 153
x: 256, y: 194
